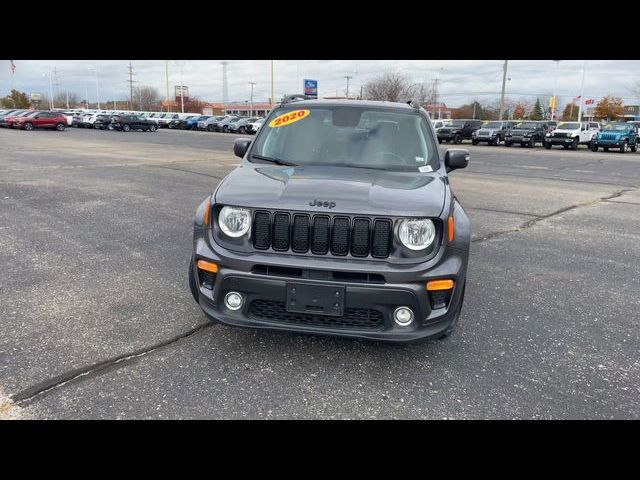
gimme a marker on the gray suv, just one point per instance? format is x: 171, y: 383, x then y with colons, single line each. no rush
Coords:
x: 491, y: 132
x: 339, y: 220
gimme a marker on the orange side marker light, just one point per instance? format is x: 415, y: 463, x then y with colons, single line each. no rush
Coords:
x: 450, y: 229
x: 435, y: 285
x: 207, y: 266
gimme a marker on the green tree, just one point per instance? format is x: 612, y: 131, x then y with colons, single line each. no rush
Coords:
x: 538, y: 111
x: 15, y: 100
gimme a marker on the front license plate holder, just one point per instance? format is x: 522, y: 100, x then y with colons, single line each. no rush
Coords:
x: 315, y: 299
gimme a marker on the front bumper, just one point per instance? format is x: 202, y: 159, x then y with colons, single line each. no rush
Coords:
x: 484, y: 138
x: 403, y: 286
x: 559, y: 141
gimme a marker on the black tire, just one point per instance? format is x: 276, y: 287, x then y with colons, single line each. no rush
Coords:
x: 606, y: 149
x: 574, y: 144
x: 457, y: 139
x: 454, y: 324
x: 594, y: 147
x: 566, y: 147
x: 496, y: 141
x: 507, y: 143
x: 183, y: 126
x: 126, y: 127
x: 225, y: 129
x: 28, y: 126
x: 242, y: 130
x: 623, y: 147
x: 109, y: 127
x: 210, y: 128
x: 474, y: 142
x: 192, y: 282
x: 60, y: 127
x: 547, y: 145
x: 152, y: 128
x: 522, y: 145
x: 634, y: 148
x: 532, y: 143
x: 439, y: 140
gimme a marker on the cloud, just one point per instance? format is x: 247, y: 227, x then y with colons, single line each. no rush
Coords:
x: 460, y: 81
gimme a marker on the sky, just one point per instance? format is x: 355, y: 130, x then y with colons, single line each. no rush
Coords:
x: 460, y: 81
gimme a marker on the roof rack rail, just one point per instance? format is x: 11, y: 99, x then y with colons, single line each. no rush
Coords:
x: 414, y: 103
x: 295, y: 97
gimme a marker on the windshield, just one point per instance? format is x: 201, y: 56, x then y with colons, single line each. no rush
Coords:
x: 526, y: 126
x: 492, y: 125
x: 365, y: 137
x: 568, y: 126
x: 617, y: 126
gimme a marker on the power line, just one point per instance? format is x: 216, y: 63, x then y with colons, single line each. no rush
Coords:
x: 130, y: 82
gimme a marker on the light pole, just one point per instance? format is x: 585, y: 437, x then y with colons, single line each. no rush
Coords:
x: 251, y: 99
x: 272, y: 99
x: 584, y: 71
x: 50, y: 92
x: 348, y: 78
x: 555, y: 93
x: 181, y: 86
x: 97, y: 88
x: 166, y: 66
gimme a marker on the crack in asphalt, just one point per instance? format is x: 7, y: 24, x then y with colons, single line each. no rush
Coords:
x: 536, y: 177
x: 184, y: 170
x: 39, y: 391
x: 533, y: 221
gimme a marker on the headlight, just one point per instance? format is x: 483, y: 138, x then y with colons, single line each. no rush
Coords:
x: 234, y: 221
x: 416, y: 233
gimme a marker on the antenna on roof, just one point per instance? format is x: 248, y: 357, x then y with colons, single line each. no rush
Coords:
x: 294, y: 97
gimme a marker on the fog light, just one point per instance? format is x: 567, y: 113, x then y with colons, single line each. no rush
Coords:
x: 403, y: 316
x: 233, y: 300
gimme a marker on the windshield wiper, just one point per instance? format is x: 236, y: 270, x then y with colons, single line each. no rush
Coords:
x: 274, y: 160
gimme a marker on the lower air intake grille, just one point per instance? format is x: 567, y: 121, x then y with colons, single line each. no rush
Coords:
x: 353, y: 318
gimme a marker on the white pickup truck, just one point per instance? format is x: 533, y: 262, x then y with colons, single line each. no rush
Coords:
x: 572, y: 134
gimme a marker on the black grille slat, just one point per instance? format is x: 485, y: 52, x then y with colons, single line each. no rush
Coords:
x: 353, y: 318
x: 320, y: 236
x: 262, y: 230
x: 281, y: 232
x: 340, y: 236
x: 300, y: 234
x: 381, y: 244
x: 360, y: 236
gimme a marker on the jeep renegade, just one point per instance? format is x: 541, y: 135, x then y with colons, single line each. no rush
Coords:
x: 339, y: 220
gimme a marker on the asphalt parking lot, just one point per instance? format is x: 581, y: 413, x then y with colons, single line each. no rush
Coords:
x: 97, y: 319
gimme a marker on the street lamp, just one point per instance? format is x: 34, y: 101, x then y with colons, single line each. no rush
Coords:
x: 555, y: 93
x: 97, y: 89
x: 251, y: 99
x: 181, y: 65
x: 50, y: 90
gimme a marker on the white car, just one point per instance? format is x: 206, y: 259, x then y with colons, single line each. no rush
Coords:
x: 572, y: 134
x: 253, y: 127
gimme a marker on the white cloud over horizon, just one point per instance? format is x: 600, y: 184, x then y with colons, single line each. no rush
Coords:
x: 461, y: 81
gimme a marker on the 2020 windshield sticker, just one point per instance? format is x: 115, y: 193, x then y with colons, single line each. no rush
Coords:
x: 288, y: 118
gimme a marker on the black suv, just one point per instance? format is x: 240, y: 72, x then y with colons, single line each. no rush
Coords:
x: 492, y: 132
x: 527, y: 133
x: 102, y: 122
x: 458, y: 130
x: 125, y: 123
x: 339, y: 220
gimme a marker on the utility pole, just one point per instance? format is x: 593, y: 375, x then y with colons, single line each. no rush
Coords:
x: 166, y: 66
x: 554, y: 110
x: 435, y: 95
x: 225, y: 86
x: 360, y: 92
x: 251, y: 99
x: 584, y: 71
x: 56, y: 85
x: 504, y: 85
x: 272, y: 91
x: 348, y: 78
x: 130, y: 81
x: 67, y: 99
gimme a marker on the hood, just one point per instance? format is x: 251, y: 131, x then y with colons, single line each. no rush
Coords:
x: 352, y: 190
x: 564, y: 130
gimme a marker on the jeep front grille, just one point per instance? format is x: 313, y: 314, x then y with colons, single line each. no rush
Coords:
x: 322, y: 234
x: 608, y: 136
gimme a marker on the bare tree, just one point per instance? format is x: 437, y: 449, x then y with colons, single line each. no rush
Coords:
x: 146, y: 98
x: 395, y: 87
x: 61, y: 100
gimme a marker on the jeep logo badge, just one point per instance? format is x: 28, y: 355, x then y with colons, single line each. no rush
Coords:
x: 319, y: 203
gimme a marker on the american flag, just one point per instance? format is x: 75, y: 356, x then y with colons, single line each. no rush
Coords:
x: 575, y: 99
x: 13, y: 67
x: 588, y: 101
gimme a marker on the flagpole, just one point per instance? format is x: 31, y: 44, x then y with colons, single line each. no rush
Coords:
x: 584, y: 69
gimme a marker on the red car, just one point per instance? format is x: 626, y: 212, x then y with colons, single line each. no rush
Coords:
x: 9, y: 119
x: 41, y: 120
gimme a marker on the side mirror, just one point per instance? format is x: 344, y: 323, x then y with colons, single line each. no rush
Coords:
x: 456, y: 158
x: 240, y: 146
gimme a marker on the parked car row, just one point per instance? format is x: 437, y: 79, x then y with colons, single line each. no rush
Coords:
x: 32, y: 119
x: 528, y: 133
x: 230, y: 123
